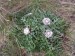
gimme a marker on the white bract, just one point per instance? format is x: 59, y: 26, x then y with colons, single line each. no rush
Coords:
x: 9, y: 0
x: 29, y: 14
x: 46, y: 21
x: 7, y: 20
x: 26, y: 31
x: 48, y: 33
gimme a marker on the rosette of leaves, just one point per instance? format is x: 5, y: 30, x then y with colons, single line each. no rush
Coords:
x: 36, y: 40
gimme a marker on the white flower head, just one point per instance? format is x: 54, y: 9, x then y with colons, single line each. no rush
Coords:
x: 48, y: 33
x: 46, y: 21
x: 26, y: 31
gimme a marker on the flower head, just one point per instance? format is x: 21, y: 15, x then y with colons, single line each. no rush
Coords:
x: 26, y: 31
x: 46, y: 21
x: 48, y: 33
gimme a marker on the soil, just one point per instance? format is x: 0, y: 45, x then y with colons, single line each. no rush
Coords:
x: 66, y: 10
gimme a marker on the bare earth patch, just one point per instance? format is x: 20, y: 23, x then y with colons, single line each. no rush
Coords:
x: 67, y: 11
